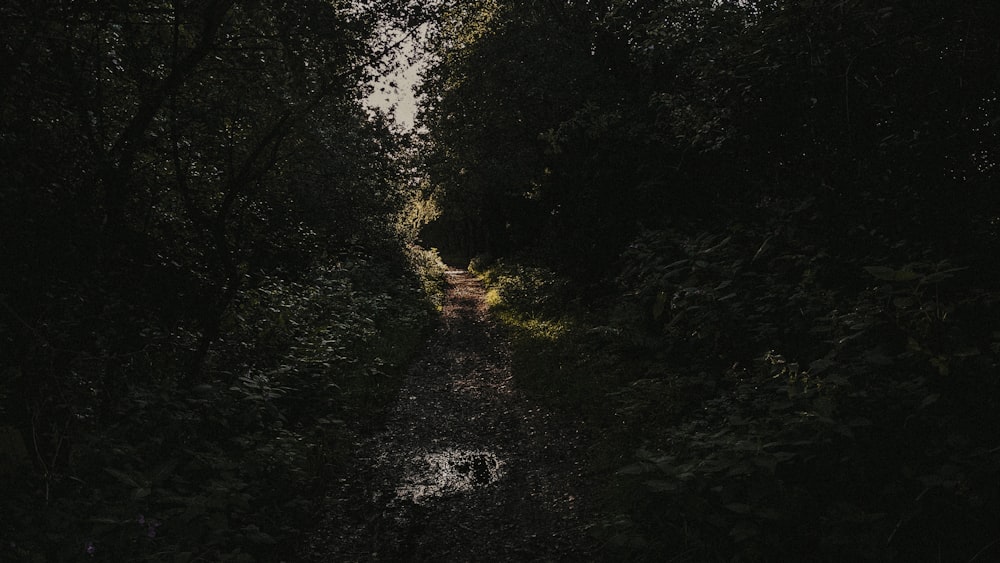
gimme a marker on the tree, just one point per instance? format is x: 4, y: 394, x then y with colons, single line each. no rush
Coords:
x: 650, y: 113
x: 163, y: 157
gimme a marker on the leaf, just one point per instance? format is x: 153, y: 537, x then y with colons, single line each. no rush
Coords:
x: 836, y: 380
x: 743, y: 531
x: 824, y: 406
x: 770, y: 463
x: 676, y: 264
x: 634, y: 469
x: 258, y: 537
x: 738, y: 508
x: 763, y: 247
x: 784, y: 456
x: 123, y: 477
x: 967, y: 352
x: 659, y: 305
x: 628, y: 540
x: 889, y: 274
x: 941, y: 363
x: 658, y: 486
x: 164, y: 471
x: 930, y: 400
x: 903, y: 302
x: 105, y: 520
x: 938, y: 277
x: 767, y: 513
x: 817, y: 367
x: 876, y: 357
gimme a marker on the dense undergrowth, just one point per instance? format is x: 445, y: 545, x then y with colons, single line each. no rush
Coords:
x: 767, y: 393
x: 752, y: 243
x: 229, y: 470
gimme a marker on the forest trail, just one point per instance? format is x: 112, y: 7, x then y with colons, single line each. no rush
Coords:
x: 467, y: 468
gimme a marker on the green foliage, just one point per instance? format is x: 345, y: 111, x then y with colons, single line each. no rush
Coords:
x: 206, y: 293
x: 576, y: 126
x: 525, y: 287
x: 432, y: 273
x: 786, y: 369
x: 751, y: 402
x: 824, y: 440
x: 230, y: 470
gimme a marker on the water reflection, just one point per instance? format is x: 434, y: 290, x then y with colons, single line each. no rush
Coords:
x: 447, y: 472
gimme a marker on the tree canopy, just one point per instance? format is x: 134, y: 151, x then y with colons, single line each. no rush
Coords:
x: 599, y: 119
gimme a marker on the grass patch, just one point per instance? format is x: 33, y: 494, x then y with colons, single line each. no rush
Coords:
x: 560, y: 357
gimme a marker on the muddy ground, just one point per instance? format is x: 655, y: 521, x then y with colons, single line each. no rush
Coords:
x: 467, y: 468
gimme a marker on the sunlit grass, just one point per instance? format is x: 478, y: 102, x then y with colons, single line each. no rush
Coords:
x: 550, y: 330
x: 493, y: 299
x: 528, y: 324
x: 553, y: 359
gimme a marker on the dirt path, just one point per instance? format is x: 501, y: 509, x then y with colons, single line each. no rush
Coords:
x: 467, y: 468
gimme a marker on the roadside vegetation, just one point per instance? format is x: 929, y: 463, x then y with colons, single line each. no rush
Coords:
x: 232, y: 469
x: 755, y: 405
x: 207, y: 292
x: 752, y: 244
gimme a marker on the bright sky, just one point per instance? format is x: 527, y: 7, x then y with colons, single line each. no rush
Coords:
x: 399, y: 99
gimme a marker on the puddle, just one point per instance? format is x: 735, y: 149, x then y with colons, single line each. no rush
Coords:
x: 447, y: 472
